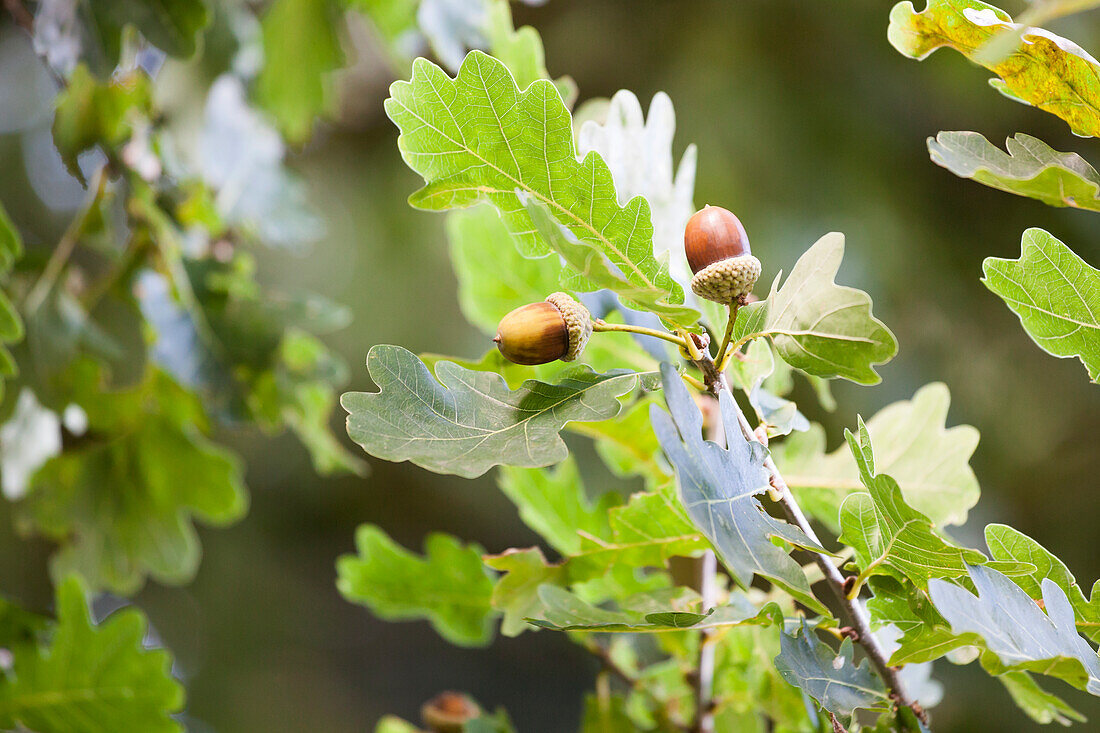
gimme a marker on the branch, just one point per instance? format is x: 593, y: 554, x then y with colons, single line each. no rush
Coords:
x: 860, y: 630
x: 20, y: 15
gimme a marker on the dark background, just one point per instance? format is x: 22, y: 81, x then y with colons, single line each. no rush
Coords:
x: 807, y: 122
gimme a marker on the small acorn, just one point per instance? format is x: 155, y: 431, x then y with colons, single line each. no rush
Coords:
x: 448, y: 712
x: 539, y: 333
x: 718, y: 252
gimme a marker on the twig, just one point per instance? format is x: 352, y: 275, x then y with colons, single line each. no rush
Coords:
x: 720, y: 355
x: 67, y: 244
x: 599, y: 325
x: 860, y: 625
x: 609, y: 664
x: 20, y: 15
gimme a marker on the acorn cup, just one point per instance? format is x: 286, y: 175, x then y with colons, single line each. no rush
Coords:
x: 539, y: 333
x: 448, y: 712
x: 718, y: 253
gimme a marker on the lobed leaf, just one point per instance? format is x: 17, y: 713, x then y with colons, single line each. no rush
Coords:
x: 90, y: 677
x: 1047, y: 71
x: 718, y: 488
x: 1055, y: 293
x: 822, y: 328
x: 1039, y: 705
x: 1029, y: 168
x: 1015, y: 629
x: 832, y: 679
x: 301, y: 47
x: 170, y: 25
x: 122, y: 505
x: 564, y: 611
x: 448, y: 586
x: 465, y: 422
x: 1006, y: 543
x: 478, y: 137
x: 888, y: 535
x: 929, y: 461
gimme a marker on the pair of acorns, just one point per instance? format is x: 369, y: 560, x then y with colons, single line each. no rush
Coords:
x: 718, y: 253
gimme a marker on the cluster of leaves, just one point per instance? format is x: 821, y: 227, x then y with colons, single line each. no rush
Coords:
x: 550, y: 200
x: 1055, y: 293
x: 146, y: 330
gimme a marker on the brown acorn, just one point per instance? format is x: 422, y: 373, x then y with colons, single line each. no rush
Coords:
x: 718, y: 252
x: 539, y: 333
x: 448, y: 712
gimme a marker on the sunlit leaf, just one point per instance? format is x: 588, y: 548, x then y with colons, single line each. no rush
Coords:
x: 90, y: 677
x: 1015, y: 628
x: 477, y: 137
x: 449, y: 586
x: 1029, y: 168
x: 929, y: 461
x: 1039, y: 705
x: 301, y: 48
x: 818, y: 326
x: 1055, y: 293
x: 831, y: 678
x: 520, y: 49
x: 553, y: 503
x: 888, y: 535
x: 718, y: 487
x: 122, y: 504
x: 1006, y: 543
x: 469, y: 421
x: 1047, y: 71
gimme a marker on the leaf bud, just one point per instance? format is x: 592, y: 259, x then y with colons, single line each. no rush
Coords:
x: 448, y: 712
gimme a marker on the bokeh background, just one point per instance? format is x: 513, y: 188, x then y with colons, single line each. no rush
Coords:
x: 807, y: 122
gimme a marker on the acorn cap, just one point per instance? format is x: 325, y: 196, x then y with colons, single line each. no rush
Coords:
x: 448, y: 712
x: 539, y: 333
x: 714, y: 234
x: 727, y: 281
x: 578, y: 321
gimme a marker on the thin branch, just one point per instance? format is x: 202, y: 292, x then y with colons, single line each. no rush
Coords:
x: 599, y: 325
x: 860, y: 625
x: 609, y: 664
x: 20, y: 15
x: 720, y: 355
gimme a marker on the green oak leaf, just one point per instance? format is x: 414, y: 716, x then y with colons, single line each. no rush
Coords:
x: 645, y: 532
x: 301, y: 47
x: 749, y: 372
x: 565, y: 611
x: 1047, y: 71
x: 393, y: 724
x: 11, y: 327
x: 477, y: 137
x: 170, y: 25
x: 606, y: 714
x: 718, y: 488
x: 1039, y: 705
x: 493, y: 277
x: 822, y: 328
x: 1055, y: 293
x: 90, y: 677
x: 449, y: 586
x: 627, y: 443
x: 831, y: 678
x: 469, y: 421
x: 90, y: 112
x: 554, y: 504
x: 887, y: 534
x: 1016, y: 630
x: 1006, y: 543
x: 1029, y: 168
x: 929, y: 461
x: 122, y: 503
x: 596, y: 270
x: 925, y: 633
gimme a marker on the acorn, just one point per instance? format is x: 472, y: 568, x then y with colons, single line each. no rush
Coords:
x: 448, y: 712
x: 718, y: 252
x: 539, y: 333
